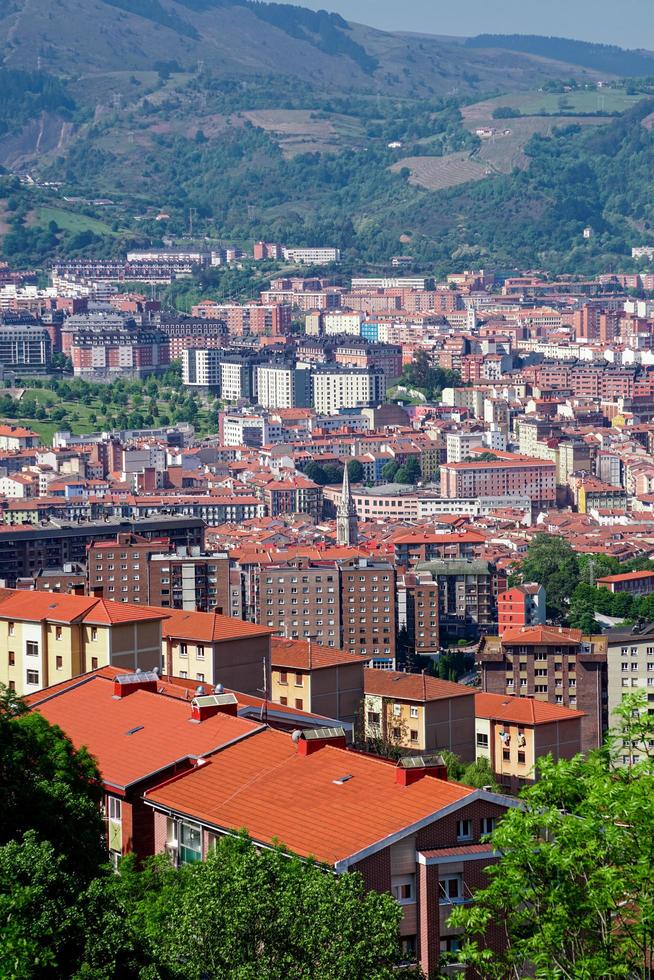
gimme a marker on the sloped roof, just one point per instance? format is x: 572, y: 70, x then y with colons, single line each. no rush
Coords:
x: 410, y: 687
x: 300, y: 655
x: 521, y: 711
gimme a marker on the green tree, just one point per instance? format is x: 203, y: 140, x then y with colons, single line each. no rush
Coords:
x: 389, y: 470
x: 573, y: 892
x: 551, y: 561
x: 355, y: 471
x: 240, y: 914
x: 48, y: 786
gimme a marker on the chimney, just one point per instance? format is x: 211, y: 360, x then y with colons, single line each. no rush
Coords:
x: 125, y: 684
x: 207, y: 705
x: 411, y: 768
x: 313, y: 739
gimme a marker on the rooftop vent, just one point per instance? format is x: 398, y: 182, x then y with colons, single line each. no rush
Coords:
x: 411, y: 768
x: 312, y: 739
x: 141, y: 680
x: 207, y: 705
x: 342, y: 779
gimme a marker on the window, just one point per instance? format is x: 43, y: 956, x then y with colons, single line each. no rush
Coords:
x: 58, y: 632
x: 413, y: 734
x: 403, y: 888
x: 397, y: 710
x: 506, y: 754
x: 32, y: 677
x: 190, y: 843
x: 94, y: 663
x: 11, y: 658
x: 183, y: 650
x: 450, y: 944
x: 31, y: 648
x: 464, y: 829
x: 414, y: 711
x: 299, y: 704
x: 298, y: 680
x: 199, y: 677
x: 521, y: 758
x: 94, y: 632
x: 59, y: 663
x: 114, y: 808
x: 373, y: 718
x: 408, y: 944
x: 199, y: 653
x: 450, y: 889
x: 482, y: 740
x: 487, y: 825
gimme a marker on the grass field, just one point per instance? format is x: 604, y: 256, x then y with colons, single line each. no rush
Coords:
x: 78, y: 415
x: 437, y: 173
x: 605, y: 100
x: 71, y: 221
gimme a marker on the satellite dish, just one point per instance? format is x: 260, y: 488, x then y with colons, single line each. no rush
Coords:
x: 200, y: 690
x: 138, y: 670
x: 157, y: 671
x: 219, y: 689
x: 297, y: 735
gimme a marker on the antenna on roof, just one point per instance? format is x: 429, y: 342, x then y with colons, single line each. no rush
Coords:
x: 264, y: 691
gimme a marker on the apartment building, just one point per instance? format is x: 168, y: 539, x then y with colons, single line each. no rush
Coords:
x: 511, y: 475
x: 26, y: 550
x: 282, y: 386
x: 296, y: 495
x: 418, y: 601
x: 460, y: 444
x: 391, y: 282
x: 411, y: 547
x: 404, y: 828
x: 522, y: 605
x: 514, y: 732
x: 337, y: 388
x: 250, y: 319
x: 215, y: 649
x: 311, y: 677
x: 312, y: 256
x: 135, y: 569
x: 25, y: 347
x: 419, y: 713
x: 298, y: 599
x: 48, y: 638
x: 630, y: 660
x: 551, y: 664
x: 368, y: 611
x: 633, y: 583
x: 467, y: 594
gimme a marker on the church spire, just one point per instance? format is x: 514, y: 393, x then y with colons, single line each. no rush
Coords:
x: 347, y: 529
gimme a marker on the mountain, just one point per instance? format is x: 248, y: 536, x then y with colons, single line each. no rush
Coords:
x: 238, y: 38
x: 608, y: 58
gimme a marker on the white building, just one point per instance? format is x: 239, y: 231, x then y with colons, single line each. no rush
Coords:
x: 312, y: 256
x: 337, y: 323
x: 391, y: 282
x: 333, y: 389
x: 460, y: 444
x: 282, y: 386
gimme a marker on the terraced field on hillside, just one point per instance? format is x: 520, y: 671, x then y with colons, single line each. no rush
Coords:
x: 438, y: 173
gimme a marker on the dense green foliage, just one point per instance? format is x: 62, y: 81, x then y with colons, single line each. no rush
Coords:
x: 573, y: 893
x: 48, y: 787
x: 601, y: 57
x: 569, y: 580
x: 422, y: 373
x: 244, y: 913
x: 27, y: 93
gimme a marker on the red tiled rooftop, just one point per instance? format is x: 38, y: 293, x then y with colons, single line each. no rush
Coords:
x: 264, y: 785
x: 161, y: 730
x: 34, y: 606
x: 624, y: 577
x: 207, y: 627
x: 542, y: 636
x: 410, y: 687
x: 521, y: 711
x: 301, y: 655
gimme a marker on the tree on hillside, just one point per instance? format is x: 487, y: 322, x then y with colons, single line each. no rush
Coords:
x: 551, y: 561
x: 48, y: 786
x: 573, y: 892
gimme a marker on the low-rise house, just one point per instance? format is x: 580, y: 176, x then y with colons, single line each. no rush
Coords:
x: 515, y: 732
x: 308, y: 676
x: 419, y: 713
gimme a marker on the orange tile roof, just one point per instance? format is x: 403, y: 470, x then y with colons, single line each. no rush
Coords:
x: 161, y: 730
x: 521, y: 711
x: 207, y: 627
x: 410, y: 687
x: 34, y: 606
x: 542, y: 636
x: 299, y: 654
x: 625, y: 577
x: 264, y: 785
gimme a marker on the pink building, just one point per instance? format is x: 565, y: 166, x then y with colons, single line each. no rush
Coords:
x: 511, y: 474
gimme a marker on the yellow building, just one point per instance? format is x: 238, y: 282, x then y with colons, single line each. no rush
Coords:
x: 419, y: 713
x: 311, y: 677
x: 47, y: 638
